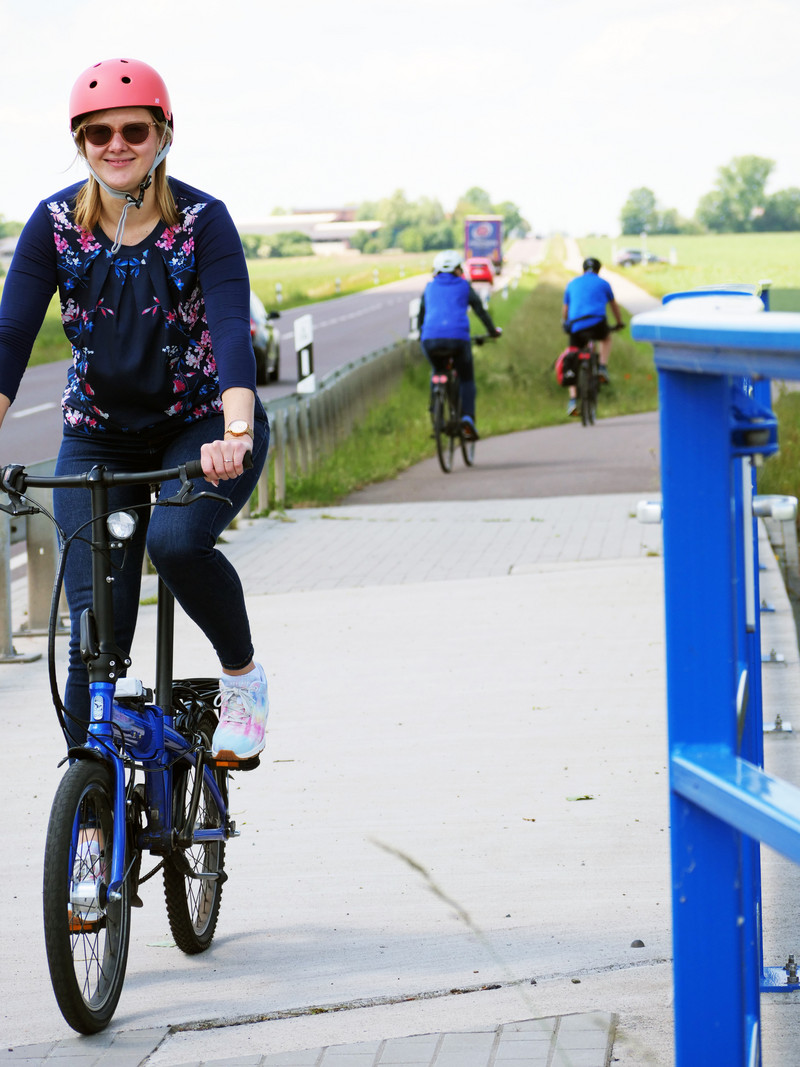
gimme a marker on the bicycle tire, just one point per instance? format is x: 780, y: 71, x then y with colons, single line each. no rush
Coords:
x: 584, y: 390
x: 467, y: 443
x: 193, y: 903
x: 442, y: 430
x: 87, y: 950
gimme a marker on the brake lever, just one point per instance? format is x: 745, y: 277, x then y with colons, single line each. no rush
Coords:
x: 187, y: 495
x: 18, y: 505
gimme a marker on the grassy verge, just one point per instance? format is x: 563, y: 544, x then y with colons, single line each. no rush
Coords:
x: 517, y: 390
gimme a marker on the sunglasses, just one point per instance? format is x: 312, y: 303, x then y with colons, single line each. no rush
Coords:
x: 99, y: 134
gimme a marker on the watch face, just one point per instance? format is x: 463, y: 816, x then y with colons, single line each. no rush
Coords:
x: 238, y: 426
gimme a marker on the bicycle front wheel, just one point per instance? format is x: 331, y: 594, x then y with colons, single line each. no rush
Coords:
x: 193, y: 877
x: 86, y: 935
x: 443, y: 423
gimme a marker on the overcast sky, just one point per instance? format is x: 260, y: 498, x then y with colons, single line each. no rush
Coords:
x: 563, y: 106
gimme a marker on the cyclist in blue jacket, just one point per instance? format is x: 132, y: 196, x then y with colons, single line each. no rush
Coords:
x: 154, y: 298
x: 444, y: 328
x: 584, y: 312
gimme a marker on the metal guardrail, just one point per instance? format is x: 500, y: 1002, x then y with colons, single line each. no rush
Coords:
x: 715, y: 353
x: 305, y: 429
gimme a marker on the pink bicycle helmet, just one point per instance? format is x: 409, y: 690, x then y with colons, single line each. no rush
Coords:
x: 119, y: 83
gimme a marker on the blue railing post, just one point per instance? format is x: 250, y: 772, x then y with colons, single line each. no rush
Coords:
x: 714, y: 352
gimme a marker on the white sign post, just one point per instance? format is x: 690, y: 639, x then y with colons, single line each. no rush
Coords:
x: 304, y: 347
x: 413, y: 315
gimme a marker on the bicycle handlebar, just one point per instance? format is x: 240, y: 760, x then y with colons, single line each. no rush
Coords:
x: 482, y: 338
x: 15, y: 480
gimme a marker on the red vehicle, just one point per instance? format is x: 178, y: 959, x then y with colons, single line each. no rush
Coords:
x: 478, y: 269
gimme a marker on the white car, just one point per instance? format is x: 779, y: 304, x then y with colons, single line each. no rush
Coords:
x: 266, y: 339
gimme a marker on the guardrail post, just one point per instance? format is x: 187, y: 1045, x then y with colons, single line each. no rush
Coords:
x: 42, y: 549
x: 8, y: 654
x: 279, y: 438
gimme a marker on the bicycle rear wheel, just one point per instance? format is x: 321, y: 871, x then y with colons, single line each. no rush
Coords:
x: 467, y: 443
x: 587, y: 394
x: 193, y: 877
x: 443, y: 423
x: 86, y: 935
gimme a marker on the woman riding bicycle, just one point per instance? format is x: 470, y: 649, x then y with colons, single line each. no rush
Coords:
x: 444, y: 328
x: 584, y: 316
x: 155, y: 303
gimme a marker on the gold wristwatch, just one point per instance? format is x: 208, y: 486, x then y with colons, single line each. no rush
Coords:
x: 239, y: 428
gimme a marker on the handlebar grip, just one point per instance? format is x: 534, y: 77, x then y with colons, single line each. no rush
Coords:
x: 194, y: 468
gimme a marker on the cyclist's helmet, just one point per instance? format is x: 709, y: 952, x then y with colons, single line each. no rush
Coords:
x: 119, y: 83
x: 446, y: 262
x: 591, y: 264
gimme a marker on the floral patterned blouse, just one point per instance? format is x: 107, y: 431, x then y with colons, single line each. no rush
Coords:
x: 157, y: 331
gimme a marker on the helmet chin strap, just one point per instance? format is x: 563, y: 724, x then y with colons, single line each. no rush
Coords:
x: 129, y: 198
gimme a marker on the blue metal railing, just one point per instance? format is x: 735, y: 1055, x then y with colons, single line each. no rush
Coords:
x: 714, y: 349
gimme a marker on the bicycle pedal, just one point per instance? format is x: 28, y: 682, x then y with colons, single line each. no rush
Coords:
x: 231, y: 762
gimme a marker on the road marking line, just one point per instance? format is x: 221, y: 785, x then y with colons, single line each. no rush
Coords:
x: 32, y: 411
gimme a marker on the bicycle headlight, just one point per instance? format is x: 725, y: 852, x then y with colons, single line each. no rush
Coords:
x: 122, y: 525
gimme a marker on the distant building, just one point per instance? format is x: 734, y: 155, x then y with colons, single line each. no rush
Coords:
x: 330, y: 231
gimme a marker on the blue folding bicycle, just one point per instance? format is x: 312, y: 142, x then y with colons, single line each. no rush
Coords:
x: 142, y: 782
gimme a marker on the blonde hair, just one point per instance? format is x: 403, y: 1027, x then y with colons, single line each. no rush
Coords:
x: 88, y: 203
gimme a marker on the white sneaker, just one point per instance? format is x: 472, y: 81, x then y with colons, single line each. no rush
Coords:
x: 243, y: 712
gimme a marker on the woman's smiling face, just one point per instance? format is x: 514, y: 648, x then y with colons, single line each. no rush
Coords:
x: 121, y: 165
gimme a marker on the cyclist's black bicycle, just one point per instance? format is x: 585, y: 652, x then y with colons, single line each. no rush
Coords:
x: 446, y: 412
x: 143, y: 780
x: 588, y: 381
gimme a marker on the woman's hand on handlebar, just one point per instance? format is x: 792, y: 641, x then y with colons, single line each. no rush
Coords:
x: 226, y: 458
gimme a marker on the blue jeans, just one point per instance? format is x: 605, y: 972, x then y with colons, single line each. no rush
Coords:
x: 438, y: 350
x: 181, y: 542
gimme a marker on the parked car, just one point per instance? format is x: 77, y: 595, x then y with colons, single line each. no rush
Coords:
x: 266, y: 339
x: 626, y: 257
x: 478, y: 269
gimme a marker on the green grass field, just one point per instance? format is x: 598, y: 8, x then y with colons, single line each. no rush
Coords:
x: 308, y: 279
x: 708, y: 260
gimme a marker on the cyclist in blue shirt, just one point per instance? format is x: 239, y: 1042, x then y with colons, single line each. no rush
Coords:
x: 584, y: 312
x: 154, y: 300
x: 444, y: 328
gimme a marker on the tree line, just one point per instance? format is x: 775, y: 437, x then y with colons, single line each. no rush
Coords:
x: 424, y: 226
x: 411, y: 225
x: 738, y: 203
